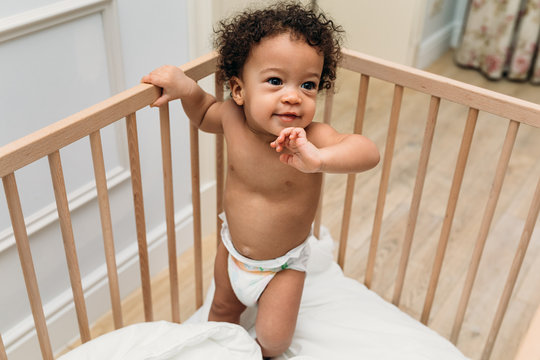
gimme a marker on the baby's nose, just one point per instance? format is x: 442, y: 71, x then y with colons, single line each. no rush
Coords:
x: 291, y: 97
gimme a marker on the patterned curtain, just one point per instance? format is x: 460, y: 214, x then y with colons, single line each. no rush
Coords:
x: 501, y: 38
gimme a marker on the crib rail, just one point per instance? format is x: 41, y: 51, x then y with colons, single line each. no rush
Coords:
x: 48, y: 141
x: 472, y: 96
x: 476, y: 99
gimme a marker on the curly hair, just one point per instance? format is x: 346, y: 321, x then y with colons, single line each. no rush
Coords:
x: 235, y: 37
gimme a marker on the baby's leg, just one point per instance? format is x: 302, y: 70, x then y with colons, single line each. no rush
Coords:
x: 225, y: 305
x: 278, y: 311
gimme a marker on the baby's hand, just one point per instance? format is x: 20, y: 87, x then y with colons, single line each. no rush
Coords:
x: 173, y: 81
x: 299, y: 152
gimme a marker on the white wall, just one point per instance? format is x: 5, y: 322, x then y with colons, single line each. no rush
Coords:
x: 388, y: 29
x: 57, y: 58
x: 442, y: 29
x: 414, y: 32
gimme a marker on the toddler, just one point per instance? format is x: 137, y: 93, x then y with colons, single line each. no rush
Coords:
x: 274, y: 61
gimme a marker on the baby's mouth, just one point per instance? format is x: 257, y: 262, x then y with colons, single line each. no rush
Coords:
x: 287, y: 117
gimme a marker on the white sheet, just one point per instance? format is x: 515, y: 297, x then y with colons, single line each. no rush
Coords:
x: 339, y: 318
x: 162, y: 340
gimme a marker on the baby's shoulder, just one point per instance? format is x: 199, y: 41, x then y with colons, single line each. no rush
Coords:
x: 231, y: 113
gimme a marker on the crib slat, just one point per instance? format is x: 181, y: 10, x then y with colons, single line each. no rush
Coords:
x: 106, y: 226
x: 383, y: 187
x: 220, y: 166
x: 351, y: 178
x: 196, y: 200
x: 514, y: 272
x: 27, y: 264
x: 3, y: 355
x: 59, y: 186
x: 327, y: 118
x: 484, y: 227
x: 138, y: 204
x: 417, y: 196
x: 459, y: 172
x: 166, y: 156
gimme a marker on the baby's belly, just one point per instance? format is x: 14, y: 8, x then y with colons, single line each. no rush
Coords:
x: 264, y: 228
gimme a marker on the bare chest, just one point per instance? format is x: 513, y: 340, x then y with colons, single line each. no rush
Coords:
x: 255, y: 166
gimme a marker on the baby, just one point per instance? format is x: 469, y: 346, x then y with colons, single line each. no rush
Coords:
x: 274, y: 61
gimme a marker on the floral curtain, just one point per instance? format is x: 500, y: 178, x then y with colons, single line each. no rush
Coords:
x: 501, y: 38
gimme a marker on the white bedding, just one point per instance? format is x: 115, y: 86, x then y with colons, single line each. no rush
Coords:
x: 339, y: 318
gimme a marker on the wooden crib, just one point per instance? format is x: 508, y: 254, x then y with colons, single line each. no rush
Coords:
x: 391, y: 244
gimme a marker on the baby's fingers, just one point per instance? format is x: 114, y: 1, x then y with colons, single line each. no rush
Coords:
x: 162, y: 100
x: 277, y: 145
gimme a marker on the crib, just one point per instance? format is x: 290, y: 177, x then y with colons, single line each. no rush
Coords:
x: 395, y: 232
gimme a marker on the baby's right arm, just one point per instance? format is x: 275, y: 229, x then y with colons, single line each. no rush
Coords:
x: 195, y: 101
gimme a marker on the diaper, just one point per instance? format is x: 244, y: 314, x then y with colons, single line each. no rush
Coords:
x: 250, y: 277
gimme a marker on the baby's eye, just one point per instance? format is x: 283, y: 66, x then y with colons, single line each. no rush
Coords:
x: 274, y: 81
x: 309, y: 85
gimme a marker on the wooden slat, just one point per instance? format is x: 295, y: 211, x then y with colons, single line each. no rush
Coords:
x: 220, y: 167
x: 60, y: 195
x: 383, y: 187
x: 484, y: 227
x: 351, y: 178
x: 138, y: 203
x: 27, y: 264
x: 34, y: 146
x: 459, y: 172
x: 166, y: 156
x: 3, y: 355
x: 106, y: 227
x: 196, y: 201
x: 327, y: 118
x: 439, y: 86
x: 417, y: 196
x: 514, y: 272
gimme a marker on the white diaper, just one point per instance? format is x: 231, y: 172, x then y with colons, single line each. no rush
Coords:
x: 250, y: 277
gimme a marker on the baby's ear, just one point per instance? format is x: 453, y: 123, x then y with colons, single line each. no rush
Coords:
x: 237, y: 90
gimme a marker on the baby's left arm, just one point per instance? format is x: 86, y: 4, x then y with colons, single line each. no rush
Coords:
x: 326, y: 150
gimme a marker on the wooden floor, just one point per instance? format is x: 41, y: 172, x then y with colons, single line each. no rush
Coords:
x: 506, y: 228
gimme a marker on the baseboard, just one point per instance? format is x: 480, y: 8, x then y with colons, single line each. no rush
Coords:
x: 435, y: 46
x: 21, y: 341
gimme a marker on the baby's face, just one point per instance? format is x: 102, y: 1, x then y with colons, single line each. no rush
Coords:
x: 279, y: 84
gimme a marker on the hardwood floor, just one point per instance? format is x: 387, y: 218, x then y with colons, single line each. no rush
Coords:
x: 507, y: 224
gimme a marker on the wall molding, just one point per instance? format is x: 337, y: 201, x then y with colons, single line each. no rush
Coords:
x: 21, y: 340
x: 77, y: 198
x: 47, y: 16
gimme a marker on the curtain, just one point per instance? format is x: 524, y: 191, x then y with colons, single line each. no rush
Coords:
x: 500, y: 39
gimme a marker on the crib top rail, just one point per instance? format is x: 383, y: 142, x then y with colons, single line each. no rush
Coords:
x: 34, y: 146
x: 473, y: 96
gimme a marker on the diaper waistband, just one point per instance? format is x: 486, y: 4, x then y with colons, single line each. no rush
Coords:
x: 270, y: 264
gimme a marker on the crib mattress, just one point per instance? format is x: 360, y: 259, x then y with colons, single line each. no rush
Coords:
x: 339, y: 318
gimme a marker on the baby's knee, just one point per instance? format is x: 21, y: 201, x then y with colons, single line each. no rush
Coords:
x: 273, y: 343
x: 225, y: 311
